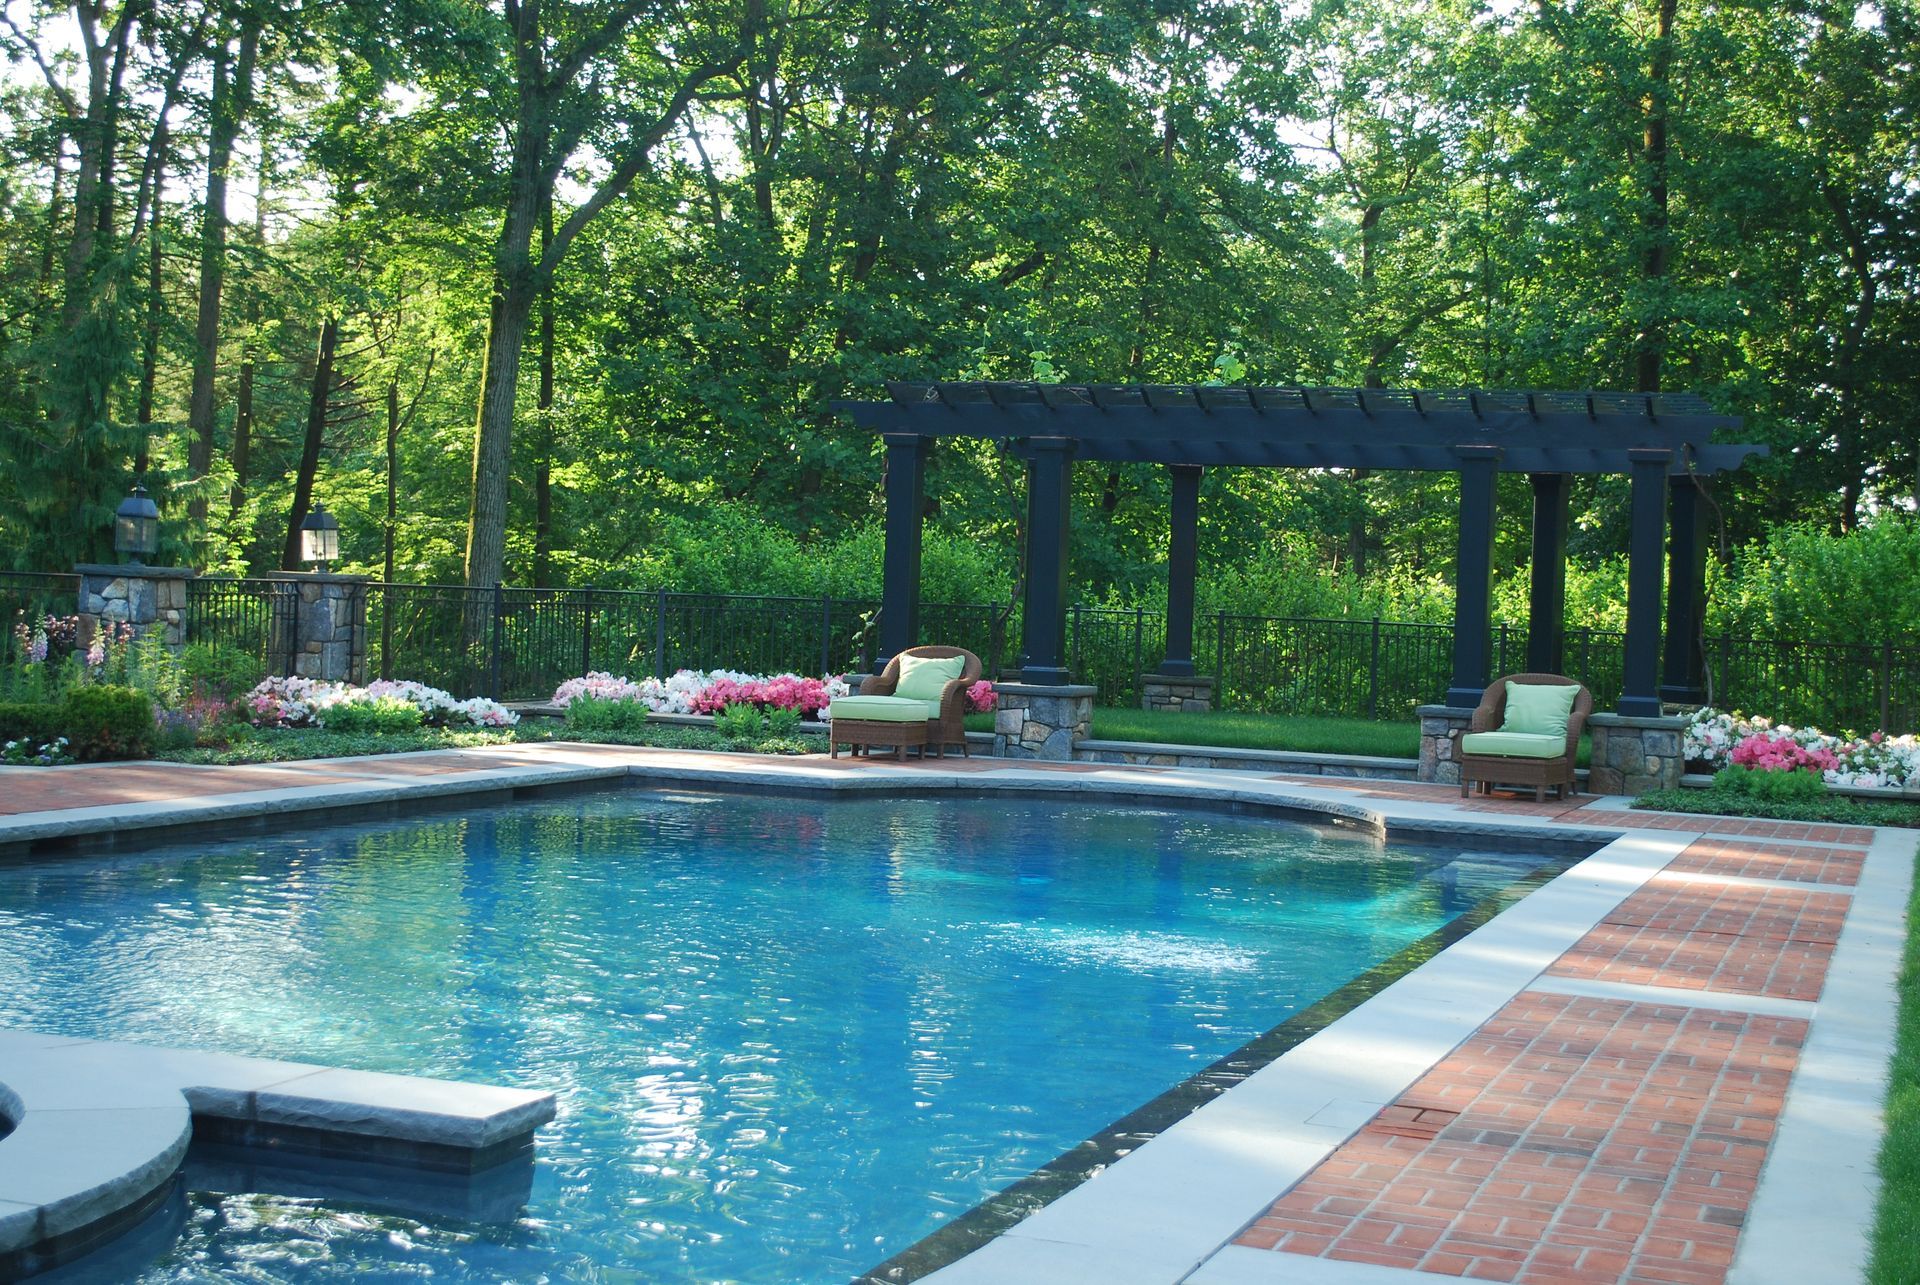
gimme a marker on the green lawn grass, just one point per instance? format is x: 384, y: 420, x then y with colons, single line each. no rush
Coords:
x: 1896, y: 1237
x: 1832, y: 809
x: 1397, y: 739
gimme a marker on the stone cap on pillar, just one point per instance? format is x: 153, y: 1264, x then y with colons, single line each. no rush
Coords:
x: 134, y: 571
x: 1039, y: 689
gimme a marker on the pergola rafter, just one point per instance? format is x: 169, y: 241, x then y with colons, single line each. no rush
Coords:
x: 1663, y: 442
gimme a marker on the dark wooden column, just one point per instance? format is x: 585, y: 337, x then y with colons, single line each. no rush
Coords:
x: 1683, y: 681
x: 1640, y: 674
x: 1049, y: 503
x: 1183, y: 545
x: 1473, y: 576
x: 1547, y: 594
x: 900, y: 566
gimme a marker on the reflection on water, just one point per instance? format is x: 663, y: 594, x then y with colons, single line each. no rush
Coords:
x: 789, y: 1038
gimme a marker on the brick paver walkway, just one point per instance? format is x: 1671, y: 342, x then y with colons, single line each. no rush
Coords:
x: 1576, y: 1138
x: 1569, y: 1140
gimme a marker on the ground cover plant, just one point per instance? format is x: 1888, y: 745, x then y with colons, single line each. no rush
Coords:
x: 1896, y: 1236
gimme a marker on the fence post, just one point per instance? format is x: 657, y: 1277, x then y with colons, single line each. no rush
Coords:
x: 1220, y: 660
x: 1077, y: 664
x: 499, y: 638
x: 586, y: 630
x: 1721, y: 698
x: 1373, y: 674
x: 660, y: 633
x: 826, y: 635
x: 1886, y: 687
x: 1133, y: 684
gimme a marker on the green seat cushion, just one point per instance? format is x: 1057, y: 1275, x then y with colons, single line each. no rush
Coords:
x: 922, y: 677
x: 883, y: 709
x: 1539, y: 709
x: 1519, y: 745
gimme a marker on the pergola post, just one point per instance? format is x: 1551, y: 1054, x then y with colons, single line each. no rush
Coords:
x: 1049, y: 501
x: 900, y: 565
x: 1683, y: 681
x: 1647, y: 509
x: 1183, y: 543
x: 1547, y: 592
x: 1473, y: 576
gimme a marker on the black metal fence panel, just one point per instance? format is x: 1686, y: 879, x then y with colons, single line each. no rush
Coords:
x: 519, y: 644
x: 28, y: 598
x: 258, y: 617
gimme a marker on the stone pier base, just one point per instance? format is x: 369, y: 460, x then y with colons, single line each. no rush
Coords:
x: 144, y: 597
x: 1634, y: 755
x: 1034, y: 722
x: 1438, y: 723
x: 1168, y: 695
x: 330, y: 632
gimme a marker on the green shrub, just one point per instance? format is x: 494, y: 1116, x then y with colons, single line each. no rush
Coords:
x: 738, y: 722
x: 217, y: 668
x: 1780, y: 787
x: 29, y: 721
x: 107, y: 722
x: 783, y: 724
x: 385, y: 715
x: 598, y: 714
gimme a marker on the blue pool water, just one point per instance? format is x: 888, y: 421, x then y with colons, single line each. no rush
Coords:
x: 790, y: 1037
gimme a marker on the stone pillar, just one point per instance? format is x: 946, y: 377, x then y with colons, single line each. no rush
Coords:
x: 139, y: 596
x: 1041, y: 722
x: 1170, y: 695
x: 330, y: 628
x: 1633, y: 755
x: 1438, y: 723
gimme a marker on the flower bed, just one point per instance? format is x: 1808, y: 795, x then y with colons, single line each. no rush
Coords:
x: 305, y: 702
x: 1718, y: 739
x: 693, y: 691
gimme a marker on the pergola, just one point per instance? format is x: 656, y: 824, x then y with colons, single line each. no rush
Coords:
x: 1663, y: 443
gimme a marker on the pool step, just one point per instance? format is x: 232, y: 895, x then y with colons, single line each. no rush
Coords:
x: 100, y: 1128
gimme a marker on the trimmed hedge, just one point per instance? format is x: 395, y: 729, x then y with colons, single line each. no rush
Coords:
x: 20, y: 721
x: 102, y: 722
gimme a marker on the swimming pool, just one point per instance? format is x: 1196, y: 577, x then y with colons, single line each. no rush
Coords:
x: 790, y: 1037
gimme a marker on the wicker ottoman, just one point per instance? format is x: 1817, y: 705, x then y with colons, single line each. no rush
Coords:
x: 862, y: 722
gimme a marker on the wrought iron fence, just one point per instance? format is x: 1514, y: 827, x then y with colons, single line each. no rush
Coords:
x: 28, y: 598
x: 519, y: 644
x: 259, y: 617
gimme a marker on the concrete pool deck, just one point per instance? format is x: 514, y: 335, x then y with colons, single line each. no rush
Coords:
x: 1667, y: 1064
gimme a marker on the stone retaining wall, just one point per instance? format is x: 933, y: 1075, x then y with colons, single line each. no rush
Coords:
x: 1037, y: 722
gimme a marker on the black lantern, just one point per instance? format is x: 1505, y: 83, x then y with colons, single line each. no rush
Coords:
x: 136, y: 526
x: 319, y: 537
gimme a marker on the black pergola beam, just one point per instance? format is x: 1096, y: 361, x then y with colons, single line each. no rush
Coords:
x: 1708, y: 459
x: 1547, y: 592
x: 1683, y: 680
x: 1473, y: 576
x: 1183, y: 551
x: 900, y: 564
x: 1647, y: 510
x: 1334, y: 427
x: 1044, y: 618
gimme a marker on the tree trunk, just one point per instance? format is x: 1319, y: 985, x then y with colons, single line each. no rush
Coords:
x: 232, y: 91
x: 393, y: 480
x: 47, y: 250
x: 249, y: 354
x: 1650, y: 343
x: 317, y: 399
x: 156, y: 305
x: 543, y: 467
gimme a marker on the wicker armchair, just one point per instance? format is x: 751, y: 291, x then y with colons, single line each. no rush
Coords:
x: 950, y: 728
x: 1491, y: 715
